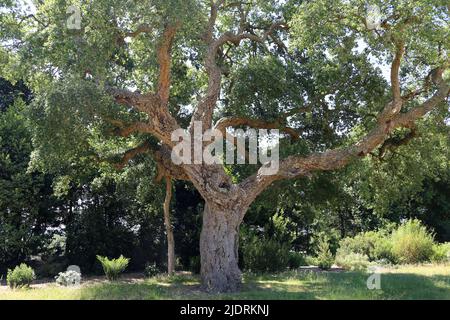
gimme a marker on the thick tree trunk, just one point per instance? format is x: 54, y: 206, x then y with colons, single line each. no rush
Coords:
x: 169, y: 229
x: 219, y: 249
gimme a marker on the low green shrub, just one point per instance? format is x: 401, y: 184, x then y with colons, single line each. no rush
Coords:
x: 296, y: 260
x: 376, y: 245
x: 265, y: 255
x: 325, y: 258
x: 352, y: 261
x: 441, y: 252
x: 114, y: 267
x: 151, y: 270
x: 20, y: 276
x: 412, y: 243
x: 310, y: 261
x: 383, y: 249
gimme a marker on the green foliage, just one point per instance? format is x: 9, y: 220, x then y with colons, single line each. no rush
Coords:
x: 296, y: 260
x: 311, y: 260
x: 441, y: 252
x: 264, y: 255
x: 324, y: 258
x: 336, y: 24
x: 375, y: 245
x: 352, y: 261
x: 20, y: 276
x: 412, y: 242
x: 151, y: 270
x: 27, y: 206
x: 114, y: 267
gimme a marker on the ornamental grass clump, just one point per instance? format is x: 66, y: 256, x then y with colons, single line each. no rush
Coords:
x: 114, y: 267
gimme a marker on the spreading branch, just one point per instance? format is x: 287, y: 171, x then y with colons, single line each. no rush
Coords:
x: 161, y: 155
x: 394, y: 143
x: 132, y: 153
x: 142, y: 28
x: 295, y: 166
x: 395, y: 69
x: 140, y: 102
x: 205, y: 108
x: 164, y: 60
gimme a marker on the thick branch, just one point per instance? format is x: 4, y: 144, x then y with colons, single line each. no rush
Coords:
x: 135, y: 100
x: 142, y: 28
x: 295, y: 166
x: 395, y: 69
x: 394, y: 143
x: 209, y: 33
x: 207, y: 104
x: 131, y: 154
x: 162, y: 157
x: 164, y: 60
x: 166, y: 167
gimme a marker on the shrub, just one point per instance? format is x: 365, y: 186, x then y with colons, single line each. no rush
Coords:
x: 376, y: 245
x: 151, y: 270
x: 324, y: 257
x: 311, y: 261
x: 352, y: 261
x: 68, y: 278
x: 21, y: 276
x: 412, y: 243
x: 383, y: 249
x: 441, y: 252
x: 296, y: 260
x: 114, y: 267
x: 265, y: 255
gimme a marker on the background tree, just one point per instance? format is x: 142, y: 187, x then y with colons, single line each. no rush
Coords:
x: 138, y: 70
x: 27, y: 204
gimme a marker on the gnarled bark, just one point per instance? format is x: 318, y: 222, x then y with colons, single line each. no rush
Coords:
x: 219, y: 248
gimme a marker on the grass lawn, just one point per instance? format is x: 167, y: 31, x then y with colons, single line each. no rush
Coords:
x: 407, y: 282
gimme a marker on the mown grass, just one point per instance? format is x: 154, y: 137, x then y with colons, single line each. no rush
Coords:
x: 409, y: 282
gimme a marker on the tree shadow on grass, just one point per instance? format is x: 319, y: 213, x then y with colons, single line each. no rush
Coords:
x: 415, y: 287
x: 394, y: 286
x: 345, y: 286
x: 298, y: 286
x: 148, y: 290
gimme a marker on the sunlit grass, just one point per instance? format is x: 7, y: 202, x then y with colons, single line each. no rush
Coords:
x: 406, y: 282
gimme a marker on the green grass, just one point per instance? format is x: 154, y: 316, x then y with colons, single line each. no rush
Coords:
x: 410, y: 282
